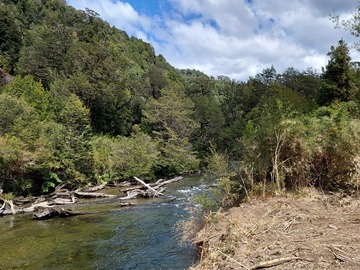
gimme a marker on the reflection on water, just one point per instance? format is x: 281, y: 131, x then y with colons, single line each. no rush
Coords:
x: 110, y: 237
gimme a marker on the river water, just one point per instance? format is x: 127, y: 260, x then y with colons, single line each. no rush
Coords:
x: 140, y: 237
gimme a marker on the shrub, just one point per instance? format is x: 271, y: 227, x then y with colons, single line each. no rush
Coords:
x: 124, y: 157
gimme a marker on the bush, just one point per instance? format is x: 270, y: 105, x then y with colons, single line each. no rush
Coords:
x: 319, y: 149
x: 282, y: 151
x: 323, y: 148
x: 124, y: 157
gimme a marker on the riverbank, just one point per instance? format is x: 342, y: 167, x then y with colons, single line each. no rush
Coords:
x: 309, y: 230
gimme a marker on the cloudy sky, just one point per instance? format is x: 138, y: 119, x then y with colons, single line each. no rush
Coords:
x: 236, y: 38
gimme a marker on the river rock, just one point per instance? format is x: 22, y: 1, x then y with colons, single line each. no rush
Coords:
x: 51, y: 212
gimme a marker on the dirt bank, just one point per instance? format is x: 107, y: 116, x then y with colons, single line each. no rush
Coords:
x: 306, y: 231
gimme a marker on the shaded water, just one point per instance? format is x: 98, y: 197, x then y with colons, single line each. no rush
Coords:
x: 143, y: 237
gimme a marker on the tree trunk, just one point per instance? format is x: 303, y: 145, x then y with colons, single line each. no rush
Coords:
x: 161, y: 183
x: 155, y: 193
x: 92, y: 195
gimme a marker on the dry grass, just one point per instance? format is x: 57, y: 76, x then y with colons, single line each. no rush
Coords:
x: 309, y: 230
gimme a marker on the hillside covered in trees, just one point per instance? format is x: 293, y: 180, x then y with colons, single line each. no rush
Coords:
x: 82, y: 102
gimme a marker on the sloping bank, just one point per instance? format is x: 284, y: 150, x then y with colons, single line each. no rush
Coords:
x: 305, y: 231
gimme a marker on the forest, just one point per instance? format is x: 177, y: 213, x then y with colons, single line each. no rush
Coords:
x: 83, y: 103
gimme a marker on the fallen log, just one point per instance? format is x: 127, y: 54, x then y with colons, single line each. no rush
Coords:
x: 3, y: 206
x: 155, y: 193
x: 60, y: 186
x: 11, y: 206
x: 132, y: 194
x: 152, y: 190
x: 40, y: 200
x: 63, y: 193
x: 64, y: 197
x: 124, y: 204
x: 124, y: 184
x: 95, y: 188
x: 50, y: 212
x: 119, y: 184
x: 21, y: 200
x: 62, y: 201
x: 159, y: 181
x: 138, y: 193
x: 156, y: 185
x: 162, y: 182
x: 7, y: 208
x: 32, y: 207
x: 4, y: 211
x: 92, y: 195
x: 126, y: 189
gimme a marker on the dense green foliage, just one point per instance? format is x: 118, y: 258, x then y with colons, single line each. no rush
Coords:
x: 81, y: 102
x: 82, y: 106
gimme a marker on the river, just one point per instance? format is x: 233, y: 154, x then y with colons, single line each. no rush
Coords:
x: 140, y: 237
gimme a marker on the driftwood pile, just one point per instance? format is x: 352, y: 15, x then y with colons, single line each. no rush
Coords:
x: 47, y: 206
x: 51, y: 205
x: 144, y: 190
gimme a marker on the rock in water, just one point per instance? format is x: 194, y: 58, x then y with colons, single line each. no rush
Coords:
x: 51, y: 212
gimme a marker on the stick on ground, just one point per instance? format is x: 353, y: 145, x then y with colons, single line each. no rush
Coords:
x: 275, y: 262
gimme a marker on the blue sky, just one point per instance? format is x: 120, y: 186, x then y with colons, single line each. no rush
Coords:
x: 147, y: 7
x: 236, y: 38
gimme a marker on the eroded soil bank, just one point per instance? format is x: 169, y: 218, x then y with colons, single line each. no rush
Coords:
x: 307, y: 231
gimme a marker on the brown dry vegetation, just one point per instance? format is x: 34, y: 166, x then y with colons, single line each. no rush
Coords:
x: 310, y: 230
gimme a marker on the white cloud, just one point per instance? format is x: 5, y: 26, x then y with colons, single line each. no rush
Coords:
x: 233, y: 37
x: 120, y: 14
